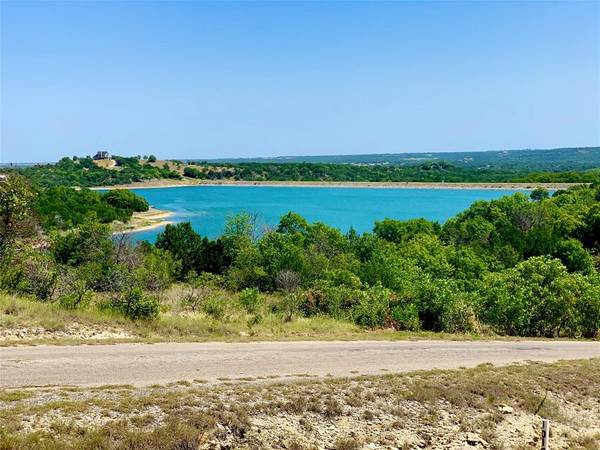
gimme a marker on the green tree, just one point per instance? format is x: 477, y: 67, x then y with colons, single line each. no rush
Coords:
x: 574, y: 256
x: 90, y: 243
x: 184, y: 244
x: 124, y: 199
x: 539, y: 194
x: 16, y: 206
x: 536, y: 298
x: 403, y: 230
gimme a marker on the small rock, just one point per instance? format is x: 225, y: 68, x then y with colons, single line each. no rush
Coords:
x: 473, y: 439
x: 506, y: 409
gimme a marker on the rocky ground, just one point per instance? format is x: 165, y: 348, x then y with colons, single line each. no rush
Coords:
x: 74, y: 331
x: 480, y: 408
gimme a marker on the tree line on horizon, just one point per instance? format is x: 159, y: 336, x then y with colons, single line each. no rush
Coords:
x: 84, y: 172
x: 532, y: 160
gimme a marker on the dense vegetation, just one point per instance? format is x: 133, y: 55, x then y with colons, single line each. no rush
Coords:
x: 518, y: 265
x: 84, y: 172
x: 63, y: 207
x: 438, y: 171
x: 554, y: 160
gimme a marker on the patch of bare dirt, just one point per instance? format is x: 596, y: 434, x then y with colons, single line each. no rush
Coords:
x: 73, y: 331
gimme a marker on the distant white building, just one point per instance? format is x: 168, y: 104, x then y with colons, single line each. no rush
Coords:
x: 101, y: 155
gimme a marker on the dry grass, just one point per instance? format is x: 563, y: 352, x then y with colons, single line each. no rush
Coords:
x: 483, y: 407
x: 24, y: 321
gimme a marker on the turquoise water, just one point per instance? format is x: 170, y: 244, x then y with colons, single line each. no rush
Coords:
x: 207, y: 207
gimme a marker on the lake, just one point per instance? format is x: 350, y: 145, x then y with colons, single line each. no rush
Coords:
x: 207, y: 207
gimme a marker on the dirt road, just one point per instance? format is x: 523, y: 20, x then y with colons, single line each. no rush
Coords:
x: 143, y: 364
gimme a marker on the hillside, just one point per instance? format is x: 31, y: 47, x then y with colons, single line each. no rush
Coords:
x: 572, y: 165
x: 558, y: 159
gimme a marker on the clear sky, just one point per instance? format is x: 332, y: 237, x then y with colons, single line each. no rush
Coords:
x: 226, y: 79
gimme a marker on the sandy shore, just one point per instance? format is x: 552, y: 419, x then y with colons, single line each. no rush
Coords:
x: 147, y: 220
x: 341, y: 184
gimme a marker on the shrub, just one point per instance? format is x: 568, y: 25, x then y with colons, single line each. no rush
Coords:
x: 574, y: 256
x: 200, y: 288
x: 374, y: 307
x: 75, y: 299
x: 213, y: 307
x: 325, y: 297
x: 135, y: 304
x: 16, y: 202
x: 403, y: 230
x: 192, y: 252
x: 156, y: 270
x: 539, y: 194
x: 124, y: 199
x: 250, y: 299
x: 459, y: 314
x: 254, y: 320
x: 192, y: 172
x: 290, y: 305
x: 587, y: 307
x: 29, y: 272
x: 287, y: 280
x: 90, y: 242
x: 74, y: 288
x: 536, y: 298
x: 406, y: 317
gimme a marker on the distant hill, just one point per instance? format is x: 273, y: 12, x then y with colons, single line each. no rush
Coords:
x: 557, y: 159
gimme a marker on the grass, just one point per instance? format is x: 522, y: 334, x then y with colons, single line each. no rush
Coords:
x: 14, y: 396
x: 434, y: 408
x: 47, y: 323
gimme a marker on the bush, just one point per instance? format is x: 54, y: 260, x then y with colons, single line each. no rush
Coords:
x: 574, y: 256
x: 90, y: 242
x: 287, y: 280
x: 156, y: 270
x: 193, y: 253
x: 135, y: 304
x: 29, y: 272
x: 124, y: 199
x: 74, y: 287
x: 539, y: 194
x: 403, y: 230
x: 250, y: 299
x: 587, y: 307
x: 406, y: 317
x: 75, y: 299
x: 192, y: 172
x: 63, y: 207
x: 536, y: 298
x: 16, y: 208
x: 325, y: 297
x: 459, y: 314
x: 214, y: 307
x: 290, y: 305
x: 374, y: 307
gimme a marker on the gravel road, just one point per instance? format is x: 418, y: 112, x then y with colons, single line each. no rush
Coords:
x: 144, y: 364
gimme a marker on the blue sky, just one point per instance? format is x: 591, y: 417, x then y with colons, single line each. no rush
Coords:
x: 226, y: 79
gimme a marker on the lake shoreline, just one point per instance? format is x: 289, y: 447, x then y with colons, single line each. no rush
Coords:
x: 159, y: 184
x: 143, y: 221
